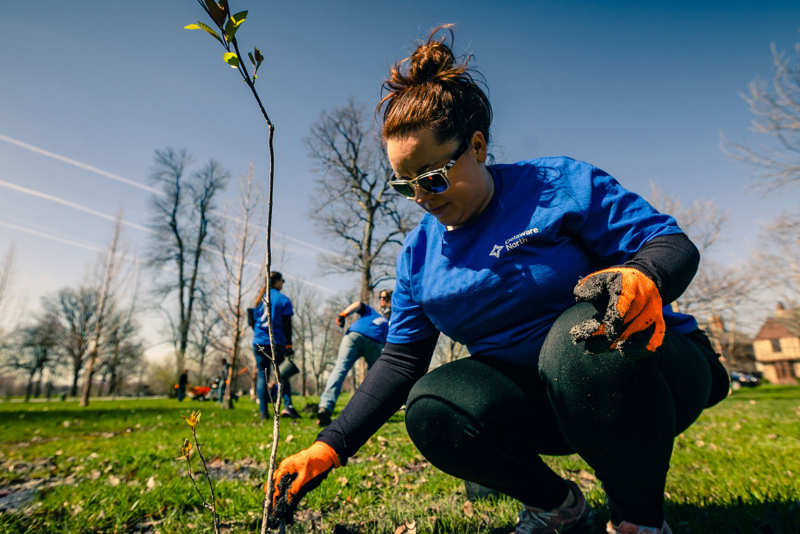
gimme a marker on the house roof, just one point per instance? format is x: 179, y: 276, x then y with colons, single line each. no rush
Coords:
x: 785, y: 323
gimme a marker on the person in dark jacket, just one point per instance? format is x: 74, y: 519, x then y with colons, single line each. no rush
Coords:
x: 497, y: 263
x: 183, y: 381
x: 223, y: 378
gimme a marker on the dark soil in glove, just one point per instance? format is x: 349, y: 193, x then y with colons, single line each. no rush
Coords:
x: 283, y: 508
x: 602, y: 291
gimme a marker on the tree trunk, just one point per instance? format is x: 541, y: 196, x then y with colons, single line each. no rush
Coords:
x: 303, y: 369
x: 73, y: 392
x: 30, y: 386
x: 227, y: 398
x: 38, y: 387
x: 87, y: 384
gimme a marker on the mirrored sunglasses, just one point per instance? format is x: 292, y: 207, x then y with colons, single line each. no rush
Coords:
x: 434, y: 181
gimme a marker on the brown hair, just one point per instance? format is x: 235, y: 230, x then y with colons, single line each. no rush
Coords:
x: 274, y: 276
x: 432, y: 89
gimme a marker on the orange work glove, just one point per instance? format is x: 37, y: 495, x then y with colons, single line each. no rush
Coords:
x: 629, y: 316
x: 297, y: 475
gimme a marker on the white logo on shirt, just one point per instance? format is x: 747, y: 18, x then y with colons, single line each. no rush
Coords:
x: 513, y: 242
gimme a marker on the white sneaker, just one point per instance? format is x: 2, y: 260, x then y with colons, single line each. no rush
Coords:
x: 630, y: 528
x: 537, y: 521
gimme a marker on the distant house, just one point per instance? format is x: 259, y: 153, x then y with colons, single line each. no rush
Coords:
x: 735, y: 348
x: 777, y: 347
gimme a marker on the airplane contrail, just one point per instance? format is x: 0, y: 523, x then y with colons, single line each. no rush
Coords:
x: 133, y: 183
x: 50, y: 236
x: 76, y: 163
x: 106, y: 216
x: 71, y: 205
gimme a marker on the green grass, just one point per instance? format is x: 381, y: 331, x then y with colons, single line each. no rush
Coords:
x: 736, y: 470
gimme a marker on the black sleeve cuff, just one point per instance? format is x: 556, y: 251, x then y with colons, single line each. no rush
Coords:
x: 670, y: 262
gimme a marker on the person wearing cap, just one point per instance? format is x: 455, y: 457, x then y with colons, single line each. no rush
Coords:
x: 364, y: 339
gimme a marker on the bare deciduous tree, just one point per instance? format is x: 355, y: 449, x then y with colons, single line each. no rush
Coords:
x: 75, y: 310
x: 776, y: 110
x: 323, y: 340
x: 6, y: 278
x: 703, y: 221
x: 109, y: 279
x: 7, y: 318
x: 122, y: 347
x: 305, y: 303
x: 354, y: 204
x: 780, y: 250
x: 184, y: 227
x: 237, y: 244
x: 206, y: 331
x: 38, y: 349
x: 716, y: 290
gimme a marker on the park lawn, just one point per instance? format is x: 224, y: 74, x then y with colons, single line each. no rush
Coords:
x: 113, y: 468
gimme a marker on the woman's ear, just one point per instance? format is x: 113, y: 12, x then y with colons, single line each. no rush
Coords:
x: 478, y: 144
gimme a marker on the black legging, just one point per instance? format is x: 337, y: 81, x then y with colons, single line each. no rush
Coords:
x: 488, y: 421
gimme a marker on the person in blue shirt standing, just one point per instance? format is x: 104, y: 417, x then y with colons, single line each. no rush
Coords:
x: 497, y: 263
x: 282, y: 331
x: 364, y: 339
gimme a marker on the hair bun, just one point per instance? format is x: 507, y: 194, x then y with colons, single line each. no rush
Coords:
x: 429, y: 61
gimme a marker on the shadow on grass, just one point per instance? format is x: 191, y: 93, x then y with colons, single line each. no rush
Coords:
x: 760, y: 518
x: 752, y: 518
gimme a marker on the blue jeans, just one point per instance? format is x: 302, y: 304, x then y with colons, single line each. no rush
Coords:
x: 353, y: 347
x: 262, y: 354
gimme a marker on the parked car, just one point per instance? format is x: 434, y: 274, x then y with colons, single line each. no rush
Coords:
x: 739, y: 381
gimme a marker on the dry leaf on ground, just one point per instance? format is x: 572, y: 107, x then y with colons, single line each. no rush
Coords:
x: 408, y: 527
x: 468, y: 510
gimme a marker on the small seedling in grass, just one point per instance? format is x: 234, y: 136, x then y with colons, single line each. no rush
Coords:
x: 186, y: 451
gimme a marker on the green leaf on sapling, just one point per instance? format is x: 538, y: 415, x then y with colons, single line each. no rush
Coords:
x: 233, y: 25
x: 208, y: 30
x: 217, y: 13
x: 253, y: 61
x: 239, y: 18
x: 259, y: 58
x: 231, y: 59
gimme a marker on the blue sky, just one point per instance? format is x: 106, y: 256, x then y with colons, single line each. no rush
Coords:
x: 640, y: 89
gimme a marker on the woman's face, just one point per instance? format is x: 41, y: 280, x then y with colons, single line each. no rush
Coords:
x: 471, y: 184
